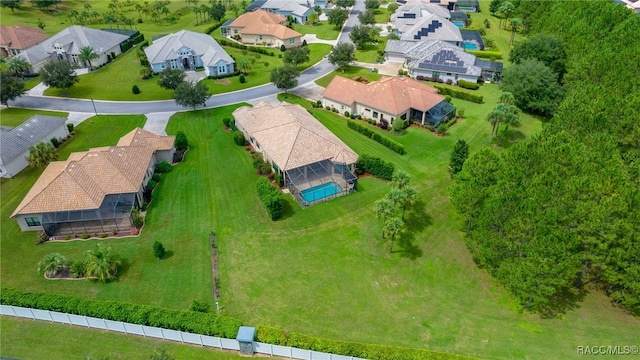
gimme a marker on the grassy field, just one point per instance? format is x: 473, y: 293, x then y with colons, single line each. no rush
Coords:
x: 500, y: 36
x: 349, y: 72
x: 16, y: 116
x: 323, y: 30
x: 20, y: 335
x: 324, y: 270
x: 370, y: 51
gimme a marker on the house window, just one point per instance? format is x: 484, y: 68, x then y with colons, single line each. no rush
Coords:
x: 259, y: 37
x: 403, y: 116
x: 456, y: 76
x: 222, y: 69
x: 375, y: 114
x: 292, y: 41
x: 32, y: 221
x: 367, y: 109
x: 163, y: 66
x: 448, y: 74
x: 235, y: 31
x: 174, y: 63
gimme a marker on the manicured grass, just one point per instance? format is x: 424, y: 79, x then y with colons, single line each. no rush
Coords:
x: 16, y: 116
x: 56, y: 18
x: 349, y: 72
x: 31, y: 83
x: 325, y: 270
x: 114, y: 82
x: 370, y: 52
x: 323, y: 30
x: 383, y: 16
x: 57, y: 341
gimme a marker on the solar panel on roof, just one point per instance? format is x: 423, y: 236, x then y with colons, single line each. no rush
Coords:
x: 444, y: 60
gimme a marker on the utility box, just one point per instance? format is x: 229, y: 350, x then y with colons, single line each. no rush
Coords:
x: 245, y: 337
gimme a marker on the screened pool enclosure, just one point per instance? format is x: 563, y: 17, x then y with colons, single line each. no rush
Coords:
x: 114, y: 214
x: 319, y: 182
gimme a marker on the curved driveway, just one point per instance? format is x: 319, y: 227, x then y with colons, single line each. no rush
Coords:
x: 144, y: 107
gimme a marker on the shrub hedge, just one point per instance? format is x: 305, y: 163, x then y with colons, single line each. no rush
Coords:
x: 259, y: 50
x: 391, y: 144
x: 163, y: 167
x: 459, y: 94
x: 485, y: 54
x: 189, y: 321
x: 468, y: 85
x: 375, y: 166
x: 276, y: 336
x: 271, y: 197
x: 238, y: 138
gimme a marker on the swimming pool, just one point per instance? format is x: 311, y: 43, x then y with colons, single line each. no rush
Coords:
x: 320, y: 192
x: 459, y: 24
x: 469, y: 46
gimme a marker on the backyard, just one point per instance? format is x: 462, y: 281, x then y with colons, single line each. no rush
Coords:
x: 339, y: 276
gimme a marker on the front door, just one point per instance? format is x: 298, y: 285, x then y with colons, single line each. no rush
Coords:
x: 185, y: 63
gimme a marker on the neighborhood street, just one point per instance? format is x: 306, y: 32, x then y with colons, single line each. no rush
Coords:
x: 145, y: 107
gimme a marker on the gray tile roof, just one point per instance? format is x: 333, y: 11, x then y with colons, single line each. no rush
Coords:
x: 71, y: 40
x: 419, y: 9
x: 17, y: 140
x: 204, y: 45
x: 432, y: 27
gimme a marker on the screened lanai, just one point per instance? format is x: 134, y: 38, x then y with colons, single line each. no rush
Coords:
x: 319, y: 182
x: 113, y: 215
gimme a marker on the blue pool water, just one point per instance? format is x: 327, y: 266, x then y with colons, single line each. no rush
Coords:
x: 320, y: 192
x: 459, y: 24
x: 470, y: 46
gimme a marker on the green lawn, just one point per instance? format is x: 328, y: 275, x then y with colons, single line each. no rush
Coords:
x: 16, y: 116
x: 323, y: 30
x: 383, y: 16
x: 349, y: 72
x: 324, y: 270
x: 370, y: 52
x: 57, y: 341
x: 114, y: 82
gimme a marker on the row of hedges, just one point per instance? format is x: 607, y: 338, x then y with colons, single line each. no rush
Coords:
x: 213, y: 27
x: 195, y: 322
x: 224, y: 76
x: 276, y: 336
x: 271, y: 197
x: 485, y: 54
x: 391, y: 144
x: 468, y: 84
x: 375, y: 166
x: 459, y: 94
x: 254, y: 49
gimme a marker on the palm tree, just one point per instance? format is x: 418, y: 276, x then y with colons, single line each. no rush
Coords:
x: 384, y: 209
x: 393, y: 228
x: 72, y: 14
x: 494, y: 119
x: 196, y: 10
x: 87, y: 6
x: 95, y: 14
x: 146, y: 11
x: 139, y: 9
x: 86, y: 55
x: 18, y: 65
x: 515, y: 24
x: 51, y: 263
x: 41, y: 154
x: 101, y: 263
x: 244, y: 64
x: 109, y: 19
x: 165, y: 11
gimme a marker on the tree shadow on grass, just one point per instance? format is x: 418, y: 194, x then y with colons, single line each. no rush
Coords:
x: 167, y: 254
x: 511, y: 137
x: 416, y: 221
x: 569, y: 300
x: 289, y: 211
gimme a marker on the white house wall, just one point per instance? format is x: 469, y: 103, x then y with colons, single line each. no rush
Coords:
x: 443, y: 76
x: 22, y: 222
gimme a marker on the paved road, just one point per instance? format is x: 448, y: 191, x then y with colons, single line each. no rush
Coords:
x: 145, y: 107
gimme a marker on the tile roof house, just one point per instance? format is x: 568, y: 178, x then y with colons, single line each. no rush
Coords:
x: 435, y: 59
x: 17, y: 38
x: 189, y: 50
x: 15, y: 142
x: 388, y: 99
x: 299, y: 10
x: 67, y: 44
x: 262, y: 28
x: 94, y: 191
x: 299, y: 147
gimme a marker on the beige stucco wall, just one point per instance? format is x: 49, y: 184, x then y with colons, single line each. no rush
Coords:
x: 21, y: 219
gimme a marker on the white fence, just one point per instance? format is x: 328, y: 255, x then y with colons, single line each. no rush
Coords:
x: 165, y: 334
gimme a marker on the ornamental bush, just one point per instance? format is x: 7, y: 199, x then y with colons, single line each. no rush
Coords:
x: 468, y: 84
x: 391, y: 144
x: 238, y: 138
x: 181, y: 141
x: 163, y: 167
x: 135, y: 89
x: 375, y: 166
x: 459, y: 94
x: 271, y: 197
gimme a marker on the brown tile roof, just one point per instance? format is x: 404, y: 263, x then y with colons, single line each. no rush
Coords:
x: 249, y: 18
x: 262, y: 22
x: 141, y: 137
x: 391, y: 94
x: 85, y: 178
x: 21, y: 37
x: 291, y: 136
